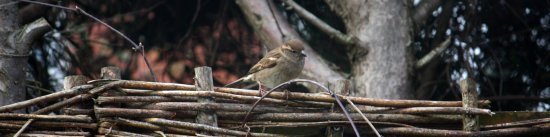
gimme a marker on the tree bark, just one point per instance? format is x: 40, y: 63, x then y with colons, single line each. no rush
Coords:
x: 12, y: 74
x: 259, y: 17
x: 383, y: 29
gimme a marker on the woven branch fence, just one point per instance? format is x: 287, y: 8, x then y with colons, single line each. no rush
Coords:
x: 113, y: 107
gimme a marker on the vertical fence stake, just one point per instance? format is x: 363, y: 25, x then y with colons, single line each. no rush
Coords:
x: 469, y: 100
x: 73, y: 81
x: 108, y: 73
x: 70, y: 82
x: 342, y: 87
x: 203, y: 82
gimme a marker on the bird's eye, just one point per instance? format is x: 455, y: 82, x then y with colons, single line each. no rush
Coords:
x: 293, y: 51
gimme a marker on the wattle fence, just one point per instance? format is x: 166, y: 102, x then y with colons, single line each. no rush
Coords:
x: 114, y: 107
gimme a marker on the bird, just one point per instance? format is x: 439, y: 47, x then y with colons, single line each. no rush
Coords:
x: 279, y: 65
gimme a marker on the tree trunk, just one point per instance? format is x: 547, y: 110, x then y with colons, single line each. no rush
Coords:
x: 259, y: 17
x: 15, y: 49
x: 380, y: 61
x: 12, y: 59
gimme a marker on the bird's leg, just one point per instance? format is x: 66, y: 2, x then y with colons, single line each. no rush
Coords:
x: 261, y: 90
x: 286, y: 94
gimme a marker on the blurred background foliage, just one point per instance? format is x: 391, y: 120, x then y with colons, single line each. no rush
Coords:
x: 503, y: 44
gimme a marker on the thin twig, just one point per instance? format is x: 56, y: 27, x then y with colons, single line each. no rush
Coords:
x: 39, y: 88
x: 433, y: 54
x: 9, y: 3
x: 346, y: 113
x: 81, y: 11
x: 48, y: 4
x: 321, y: 25
x: 147, y: 62
x: 364, y: 117
x: 67, y: 102
x: 23, y: 127
x: 195, y: 126
x: 357, y: 100
x: 193, y: 20
x: 65, y: 93
x: 517, y: 124
x: 283, y: 36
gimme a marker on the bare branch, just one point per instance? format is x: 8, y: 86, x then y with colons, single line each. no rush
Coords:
x: 364, y: 117
x: 518, y: 123
x: 48, y: 124
x: 423, y: 10
x: 32, y: 31
x: 356, y: 100
x: 430, y: 56
x: 230, y: 107
x: 145, y: 125
x: 195, y: 126
x: 321, y: 25
x: 174, y: 95
x: 520, y: 131
x: 256, y: 13
x: 46, y: 98
x: 336, y: 97
x: 135, y: 46
x: 12, y: 116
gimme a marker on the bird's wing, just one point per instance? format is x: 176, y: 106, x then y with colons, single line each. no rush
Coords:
x: 269, y: 61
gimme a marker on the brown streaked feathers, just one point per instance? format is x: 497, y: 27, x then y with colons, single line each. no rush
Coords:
x: 269, y: 61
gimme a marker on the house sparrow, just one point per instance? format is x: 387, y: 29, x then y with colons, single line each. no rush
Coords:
x: 277, y: 66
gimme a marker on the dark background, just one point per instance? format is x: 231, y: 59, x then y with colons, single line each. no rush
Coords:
x: 509, y: 55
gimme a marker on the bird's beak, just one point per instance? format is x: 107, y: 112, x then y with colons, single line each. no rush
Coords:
x: 303, y: 54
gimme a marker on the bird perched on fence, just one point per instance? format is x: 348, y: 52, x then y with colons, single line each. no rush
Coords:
x: 279, y: 65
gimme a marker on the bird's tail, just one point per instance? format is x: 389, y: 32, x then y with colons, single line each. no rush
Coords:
x: 234, y: 83
x: 239, y: 81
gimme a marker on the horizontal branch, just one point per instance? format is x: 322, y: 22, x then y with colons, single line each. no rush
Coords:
x: 430, y: 110
x: 133, y: 113
x: 127, y: 99
x: 321, y: 25
x: 176, y: 93
x: 77, y: 111
x: 82, y: 97
x: 46, y: 98
x: 49, y: 124
x: 518, y: 123
x: 518, y: 98
x: 102, y: 88
x: 408, y: 131
x: 64, y: 133
x: 292, y: 95
x: 433, y: 54
x: 9, y: 126
x: 304, y: 124
x: 145, y: 125
x: 110, y: 131
x: 207, y: 128
x: 11, y: 116
x: 247, y: 99
x: 43, y: 135
x: 224, y: 107
x: 311, y: 117
x: 147, y: 98
x: 398, y: 118
x: 154, y: 85
x: 357, y: 100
